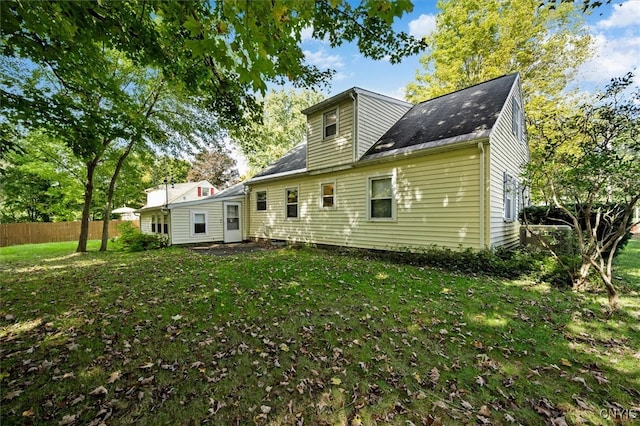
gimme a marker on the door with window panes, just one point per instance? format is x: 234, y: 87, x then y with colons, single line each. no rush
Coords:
x: 232, y: 222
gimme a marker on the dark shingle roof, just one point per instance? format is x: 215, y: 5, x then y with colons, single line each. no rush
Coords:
x: 232, y: 191
x: 463, y: 115
x: 294, y: 160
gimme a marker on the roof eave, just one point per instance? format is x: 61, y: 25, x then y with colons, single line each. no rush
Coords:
x: 428, y: 147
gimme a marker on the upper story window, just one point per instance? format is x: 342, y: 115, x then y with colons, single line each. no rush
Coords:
x: 328, y: 195
x: 381, y: 198
x: 292, y: 202
x: 330, y: 123
x: 261, y: 200
x: 517, y: 123
x: 205, y: 192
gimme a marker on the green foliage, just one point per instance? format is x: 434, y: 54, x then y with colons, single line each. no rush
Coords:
x: 132, y: 239
x: 588, y: 168
x: 475, y: 41
x: 216, y: 167
x: 40, y: 182
x: 282, y: 127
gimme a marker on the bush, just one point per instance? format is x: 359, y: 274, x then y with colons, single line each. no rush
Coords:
x: 131, y: 239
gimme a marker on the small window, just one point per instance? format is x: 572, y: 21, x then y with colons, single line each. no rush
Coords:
x: 330, y: 124
x: 199, y: 223
x: 512, y: 200
x: 328, y: 195
x: 165, y: 229
x: 517, y: 124
x: 292, y: 203
x: 153, y: 223
x: 261, y: 200
x: 381, y: 198
x: 205, y: 192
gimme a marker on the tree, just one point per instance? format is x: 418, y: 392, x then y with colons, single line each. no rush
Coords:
x: 590, y: 172
x: 282, y: 127
x: 59, y: 71
x: 40, y: 182
x: 476, y: 40
x: 214, y: 166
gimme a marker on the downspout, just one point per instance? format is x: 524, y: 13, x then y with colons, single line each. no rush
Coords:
x: 482, y: 193
x: 354, y: 127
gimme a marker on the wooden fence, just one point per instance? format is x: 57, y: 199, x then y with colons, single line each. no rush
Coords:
x: 13, y: 234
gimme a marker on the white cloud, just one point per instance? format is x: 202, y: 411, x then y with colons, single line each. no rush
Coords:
x: 423, y: 26
x: 624, y: 15
x: 323, y: 60
x: 306, y: 34
x: 613, y: 57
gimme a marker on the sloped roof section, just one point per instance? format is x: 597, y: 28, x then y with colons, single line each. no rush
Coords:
x: 293, y: 161
x: 455, y: 117
x: 232, y: 191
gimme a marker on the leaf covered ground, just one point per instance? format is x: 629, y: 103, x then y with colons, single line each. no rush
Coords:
x: 305, y: 337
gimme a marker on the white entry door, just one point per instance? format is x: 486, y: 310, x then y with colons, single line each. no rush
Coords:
x: 232, y: 222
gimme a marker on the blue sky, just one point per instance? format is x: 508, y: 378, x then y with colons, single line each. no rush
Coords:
x: 615, y: 29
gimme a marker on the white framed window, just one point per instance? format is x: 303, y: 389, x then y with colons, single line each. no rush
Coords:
x: 291, y: 201
x: 512, y: 200
x: 153, y: 223
x: 205, y: 192
x: 517, y: 123
x: 199, y: 222
x: 328, y: 195
x: 330, y: 123
x: 381, y: 198
x: 261, y: 200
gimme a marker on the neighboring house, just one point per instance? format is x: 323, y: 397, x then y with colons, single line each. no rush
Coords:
x: 155, y: 215
x: 126, y: 213
x: 380, y: 173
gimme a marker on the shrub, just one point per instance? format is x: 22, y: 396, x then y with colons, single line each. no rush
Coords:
x: 132, y: 239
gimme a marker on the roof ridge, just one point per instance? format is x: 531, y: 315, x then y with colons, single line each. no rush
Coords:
x: 469, y: 87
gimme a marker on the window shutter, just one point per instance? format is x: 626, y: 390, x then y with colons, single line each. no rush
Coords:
x: 199, y: 191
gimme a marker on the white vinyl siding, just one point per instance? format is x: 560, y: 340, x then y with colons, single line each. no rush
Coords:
x: 375, y: 117
x: 336, y: 150
x: 506, y: 154
x: 436, y: 196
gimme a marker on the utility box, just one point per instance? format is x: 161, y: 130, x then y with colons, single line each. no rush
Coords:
x: 559, y: 237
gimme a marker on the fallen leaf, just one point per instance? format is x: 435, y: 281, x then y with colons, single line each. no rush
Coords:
x: 480, y: 380
x: 30, y: 412
x: 99, y: 391
x: 484, y: 410
x: 114, y: 376
x: 565, y: 362
x: 77, y: 400
x: 13, y: 394
x: 146, y: 366
x: 265, y: 409
x: 434, y: 375
x: 336, y: 381
x: 176, y: 317
x: 67, y: 420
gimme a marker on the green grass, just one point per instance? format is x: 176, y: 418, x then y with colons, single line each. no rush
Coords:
x: 278, y: 337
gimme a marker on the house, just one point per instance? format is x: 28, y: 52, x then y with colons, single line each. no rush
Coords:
x: 379, y: 173
x: 155, y: 215
x: 126, y: 213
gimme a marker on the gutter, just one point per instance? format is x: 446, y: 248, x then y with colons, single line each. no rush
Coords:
x: 482, y: 194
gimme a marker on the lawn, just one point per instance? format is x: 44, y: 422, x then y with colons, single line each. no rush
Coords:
x: 305, y: 336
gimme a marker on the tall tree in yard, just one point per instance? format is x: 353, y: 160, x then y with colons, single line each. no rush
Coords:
x: 476, y: 40
x: 590, y: 170
x: 214, y: 166
x: 282, y: 127
x: 58, y: 70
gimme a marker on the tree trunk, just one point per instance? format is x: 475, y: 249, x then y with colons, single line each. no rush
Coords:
x: 611, y: 292
x: 581, y: 281
x: 86, y: 209
x: 112, y: 188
